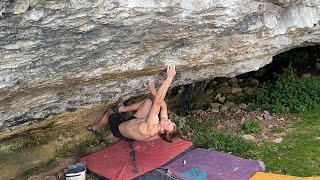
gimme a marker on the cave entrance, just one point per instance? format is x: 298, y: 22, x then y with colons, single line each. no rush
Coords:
x: 304, y: 60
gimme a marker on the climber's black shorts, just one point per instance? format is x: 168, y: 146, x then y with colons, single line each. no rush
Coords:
x: 115, y: 120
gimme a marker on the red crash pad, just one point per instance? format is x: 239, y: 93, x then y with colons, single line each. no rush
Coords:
x: 129, y: 159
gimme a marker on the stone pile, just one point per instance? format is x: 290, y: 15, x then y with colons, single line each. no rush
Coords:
x: 218, y: 95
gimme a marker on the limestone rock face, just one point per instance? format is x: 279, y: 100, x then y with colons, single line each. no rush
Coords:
x: 61, y: 55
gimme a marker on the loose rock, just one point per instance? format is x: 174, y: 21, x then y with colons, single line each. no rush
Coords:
x: 267, y: 117
x: 222, y: 99
x: 230, y: 97
x: 278, y: 140
x: 215, y: 107
x: 249, y: 137
x: 230, y: 105
x: 223, y: 109
x: 280, y: 134
x: 235, y: 90
x: 238, y: 111
x: 243, y: 106
x: 260, y: 118
x: 305, y: 76
x: 217, y: 96
x: 272, y: 126
x: 224, y: 90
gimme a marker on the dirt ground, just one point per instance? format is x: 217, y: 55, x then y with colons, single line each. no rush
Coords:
x: 273, y: 125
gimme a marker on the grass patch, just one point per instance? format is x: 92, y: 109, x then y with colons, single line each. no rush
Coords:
x: 213, y: 120
x: 289, y: 91
x: 251, y: 126
x: 299, y: 154
x: 205, y: 136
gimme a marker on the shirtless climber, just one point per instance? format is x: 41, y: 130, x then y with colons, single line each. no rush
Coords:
x: 144, y: 125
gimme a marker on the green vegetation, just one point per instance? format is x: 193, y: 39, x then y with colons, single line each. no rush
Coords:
x: 289, y: 91
x: 251, y: 126
x: 299, y: 154
x: 207, y: 137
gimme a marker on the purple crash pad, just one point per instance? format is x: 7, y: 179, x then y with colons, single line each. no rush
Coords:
x: 201, y: 164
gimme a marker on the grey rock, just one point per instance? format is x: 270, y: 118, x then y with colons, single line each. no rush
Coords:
x: 249, y: 137
x: 266, y: 112
x: 238, y: 111
x: 278, y: 140
x: 260, y: 118
x: 215, y: 105
x: 272, y: 126
x: 21, y: 7
x: 218, y: 96
x: 224, y: 90
x: 235, y: 109
x: 236, y: 90
x: 243, y: 106
x: 230, y: 105
x: 280, y: 134
x: 222, y: 99
x: 230, y: 97
x: 223, y: 109
x: 267, y: 117
x: 58, y: 56
x: 253, y: 83
x: 305, y: 76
